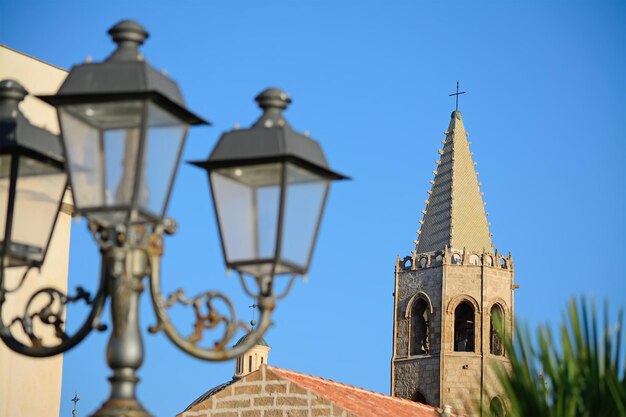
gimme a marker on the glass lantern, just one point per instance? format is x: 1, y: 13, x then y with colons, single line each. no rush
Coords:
x: 122, y: 157
x: 32, y: 182
x: 269, y: 187
x: 123, y: 125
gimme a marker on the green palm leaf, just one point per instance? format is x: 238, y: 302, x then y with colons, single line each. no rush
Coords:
x: 581, y: 376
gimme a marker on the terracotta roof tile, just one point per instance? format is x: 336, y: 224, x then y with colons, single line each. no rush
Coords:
x: 355, y: 400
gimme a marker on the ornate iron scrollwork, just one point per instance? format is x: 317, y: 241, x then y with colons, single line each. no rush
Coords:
x: 50, y: 314
x: 207, y: 315
x: 47, y: 306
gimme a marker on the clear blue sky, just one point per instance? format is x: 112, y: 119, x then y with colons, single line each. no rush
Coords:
x: 545, y: 104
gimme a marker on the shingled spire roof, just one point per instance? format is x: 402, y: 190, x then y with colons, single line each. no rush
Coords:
x: 455, y: 214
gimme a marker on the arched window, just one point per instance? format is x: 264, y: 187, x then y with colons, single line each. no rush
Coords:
x: 420, y: 327
x: 419, y: 397
x: 496, y: 408
x: 464, y: 327
x: 495, y: 339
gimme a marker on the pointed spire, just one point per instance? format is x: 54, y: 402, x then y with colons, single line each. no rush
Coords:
x: 455, y: 215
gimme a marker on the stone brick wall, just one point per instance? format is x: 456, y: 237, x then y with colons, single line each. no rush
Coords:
x: 262, y: 394
x: 459, y: 378
x: 468, y: 376
x: 418, y: 374
x: 427, y: 281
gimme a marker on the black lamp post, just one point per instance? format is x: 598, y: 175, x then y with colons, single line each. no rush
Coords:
x: 123, y: 126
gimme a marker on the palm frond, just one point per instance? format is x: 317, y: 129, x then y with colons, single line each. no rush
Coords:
x: 581, y: 376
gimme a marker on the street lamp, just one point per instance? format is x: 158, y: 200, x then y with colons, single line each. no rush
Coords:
x: 123, y: 126
x: 32, y: 182
x: 269, y: 183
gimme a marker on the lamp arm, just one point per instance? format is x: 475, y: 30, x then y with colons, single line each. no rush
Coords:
x: 206, y: 313
x: 284, y: 294
x: 51, y: 313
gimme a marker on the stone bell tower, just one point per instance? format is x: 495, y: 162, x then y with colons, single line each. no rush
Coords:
x: 450, y: 292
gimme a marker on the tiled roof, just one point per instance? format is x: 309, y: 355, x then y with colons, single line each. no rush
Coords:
x: 358, y: 401
x: 211, y: 393
x: 455, y: 214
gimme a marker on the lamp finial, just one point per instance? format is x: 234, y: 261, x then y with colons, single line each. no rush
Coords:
x: 129, y: 36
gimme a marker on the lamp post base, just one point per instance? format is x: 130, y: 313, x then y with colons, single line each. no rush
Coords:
x: 122, y: 408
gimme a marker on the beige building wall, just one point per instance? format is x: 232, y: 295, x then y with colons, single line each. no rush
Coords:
x: 31, y: 387
x: 252, y: 360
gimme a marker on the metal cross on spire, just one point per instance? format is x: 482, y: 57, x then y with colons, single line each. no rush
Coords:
x: 75, y: 400
x: 457, y: 94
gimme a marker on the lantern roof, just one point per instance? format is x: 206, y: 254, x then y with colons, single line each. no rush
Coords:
x: 125, y: 75
x: 270, y: 139
x: 16, y: 131
x: 245, y: 337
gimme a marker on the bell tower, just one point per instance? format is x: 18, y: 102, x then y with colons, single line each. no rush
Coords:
x: 451, y: 291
